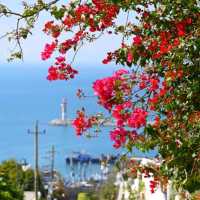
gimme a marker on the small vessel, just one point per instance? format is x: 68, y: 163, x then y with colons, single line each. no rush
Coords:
x: 83, y: 166
x: 78, y: 157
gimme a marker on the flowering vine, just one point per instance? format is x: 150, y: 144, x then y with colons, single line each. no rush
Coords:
x: 154, y: 102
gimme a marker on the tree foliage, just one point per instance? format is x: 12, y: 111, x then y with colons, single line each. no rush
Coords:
x: 9, y: 189
x: 16, y: 179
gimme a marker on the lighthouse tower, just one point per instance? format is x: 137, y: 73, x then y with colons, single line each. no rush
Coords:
x: 63, y: 106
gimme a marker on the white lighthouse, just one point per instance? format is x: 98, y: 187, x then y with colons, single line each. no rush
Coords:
x: 63, y: 106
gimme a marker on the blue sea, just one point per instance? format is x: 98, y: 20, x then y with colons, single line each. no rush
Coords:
x: 26, y: 96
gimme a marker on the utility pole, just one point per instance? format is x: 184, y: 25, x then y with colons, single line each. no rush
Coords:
x: 52, y: 162
x: 36, y: 133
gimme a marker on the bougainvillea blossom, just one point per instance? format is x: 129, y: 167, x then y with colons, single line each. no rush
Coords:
x: 138, y: 118
x: 161, y: 51
x: 118, y: 136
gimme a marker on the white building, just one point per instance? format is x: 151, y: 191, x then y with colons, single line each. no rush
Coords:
x: 29, y: 195
x: 134, y: 184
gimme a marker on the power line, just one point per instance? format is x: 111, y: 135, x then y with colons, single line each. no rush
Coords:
x: 51, y: 156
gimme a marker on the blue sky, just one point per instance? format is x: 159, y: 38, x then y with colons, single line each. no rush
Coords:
x: 90, y: 54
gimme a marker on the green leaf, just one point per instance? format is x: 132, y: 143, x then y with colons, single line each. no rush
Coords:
x: 58, y: 13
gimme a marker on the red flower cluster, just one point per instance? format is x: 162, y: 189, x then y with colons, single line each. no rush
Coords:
x: 121, y: 112
x: 50, y: 28
x: 180, y: 26
x: 118, y: 135
x: 82, y: 13
x: 137, y: 118
x: 174, y: 74
x: 125, y: 50
x: 125, y: 114
x: 48, y: 50
x: 61, y: 70
x: 69, y: 43
x: 129, y: 57
x: 153, y: 45
x: 143, y: 81
x: 107, y: 88
x: 158, y: 93
x: 82, y: 122
x: 154, y: 84
x: 86, y: 13
x: 162, y: 47
x: 150, y: 83
x: 104, y: 89
x: 137, y: 40
x: 153, y: 184
x: 167, y: 43
x: 108, y: 58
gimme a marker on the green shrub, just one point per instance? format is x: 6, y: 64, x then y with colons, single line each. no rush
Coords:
x: 83, y: 196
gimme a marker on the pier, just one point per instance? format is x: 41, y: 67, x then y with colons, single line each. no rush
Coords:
x: 84, y: 167
x: 86, y: 158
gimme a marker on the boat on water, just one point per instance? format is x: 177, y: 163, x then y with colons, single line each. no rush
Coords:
x: 86, y: 158
x: 85, y: 167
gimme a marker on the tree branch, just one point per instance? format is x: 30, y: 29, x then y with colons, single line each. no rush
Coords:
x: 29, y: 15
x: 18, y: 38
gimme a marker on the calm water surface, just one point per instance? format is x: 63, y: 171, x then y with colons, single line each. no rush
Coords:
x: 26, y: 96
